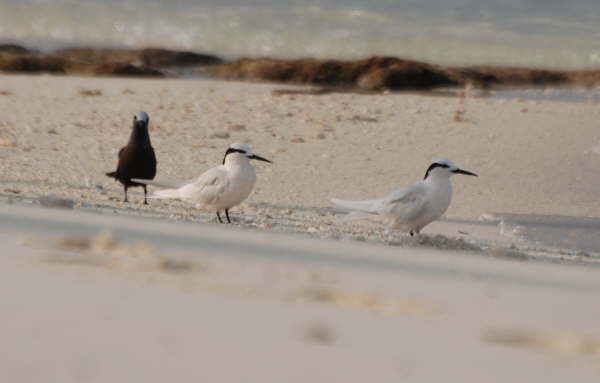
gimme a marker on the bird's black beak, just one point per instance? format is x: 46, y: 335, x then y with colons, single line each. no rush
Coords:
x: 255, y: 157
x: 460, y: 171
x: 140, y: 124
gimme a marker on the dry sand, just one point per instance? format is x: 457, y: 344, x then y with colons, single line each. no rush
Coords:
x: 173, y: 313
x: 532, y: 157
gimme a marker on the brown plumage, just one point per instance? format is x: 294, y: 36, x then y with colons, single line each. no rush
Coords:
x: 136, y: 159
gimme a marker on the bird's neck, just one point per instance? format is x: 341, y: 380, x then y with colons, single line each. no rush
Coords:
x: 140, y: 136
x: 439, y: 181
x: 439, y: 191
x: 234, y: 162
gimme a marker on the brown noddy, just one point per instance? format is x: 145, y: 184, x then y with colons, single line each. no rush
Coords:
x: 136, y: 159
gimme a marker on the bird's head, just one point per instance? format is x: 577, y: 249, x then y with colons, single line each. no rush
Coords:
x: 141, y: 120
x: 445, y: 168
x: 242, y: 150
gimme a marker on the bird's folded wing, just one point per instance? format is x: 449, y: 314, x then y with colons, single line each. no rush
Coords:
x: 364, y: 206
x: 207, y: 188
x: 161, y: 183
x: 406, y: 204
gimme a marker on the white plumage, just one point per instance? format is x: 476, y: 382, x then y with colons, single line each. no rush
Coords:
x: 219, y: 188
x: 413, y: 207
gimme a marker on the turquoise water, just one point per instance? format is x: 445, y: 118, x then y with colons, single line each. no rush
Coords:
x: 544, y: 33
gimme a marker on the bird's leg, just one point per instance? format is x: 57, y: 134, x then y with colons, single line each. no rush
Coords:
x: 219, y: 217
x: 227, y: 215
x: 125, y: 187
x: 145, y: 192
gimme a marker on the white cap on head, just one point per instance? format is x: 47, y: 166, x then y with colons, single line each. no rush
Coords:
x: 244, y: 150
x: 446, y: 167
x: 445, y: 163
x: 142, y: 116
x: 243, y: 147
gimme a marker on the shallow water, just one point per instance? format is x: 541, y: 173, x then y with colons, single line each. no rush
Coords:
x: 568, y: 94
x: 544, y: 33
x: 558, y: 94
x: 563, y: 232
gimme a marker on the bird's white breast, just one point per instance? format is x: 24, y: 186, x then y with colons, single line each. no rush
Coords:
x: 242, y: 178
x: 439, y: 197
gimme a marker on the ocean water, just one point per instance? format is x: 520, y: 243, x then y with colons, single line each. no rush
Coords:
x: 541, y: 33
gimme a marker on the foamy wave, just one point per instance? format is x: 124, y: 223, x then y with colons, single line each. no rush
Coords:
x: 288, y: 29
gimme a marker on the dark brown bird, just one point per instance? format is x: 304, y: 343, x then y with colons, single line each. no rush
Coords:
x: 136, y: 160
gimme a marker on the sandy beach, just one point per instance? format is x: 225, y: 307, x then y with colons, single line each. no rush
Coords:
x: 61, y: 134
x: 503, y: 288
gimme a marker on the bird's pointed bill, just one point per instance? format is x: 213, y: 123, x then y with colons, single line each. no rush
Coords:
x: 255, y: 157
x: 465, y: 172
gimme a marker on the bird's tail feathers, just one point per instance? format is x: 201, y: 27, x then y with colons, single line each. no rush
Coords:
x: 165, y: 194
x: 112, y: 174
x: 364, y: 207
x: 160, y: 183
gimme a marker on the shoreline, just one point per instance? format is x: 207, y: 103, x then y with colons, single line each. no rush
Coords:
x: 371, y: 74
